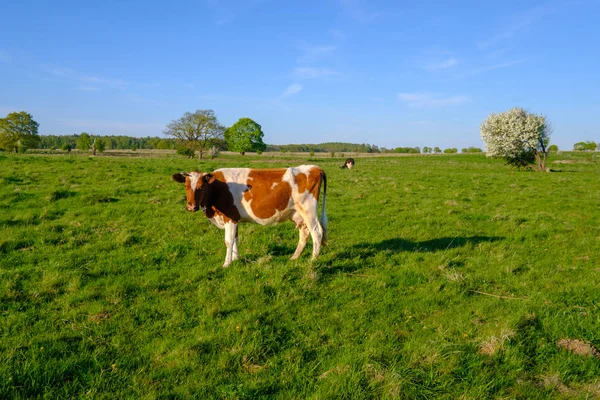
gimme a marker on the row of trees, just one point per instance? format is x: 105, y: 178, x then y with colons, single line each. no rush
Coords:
x: 520, y: 137
x: 585, y: 146
x: 111, y: 142
x: 327, y: 147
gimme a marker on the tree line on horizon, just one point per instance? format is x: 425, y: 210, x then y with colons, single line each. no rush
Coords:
x: 200, y: 132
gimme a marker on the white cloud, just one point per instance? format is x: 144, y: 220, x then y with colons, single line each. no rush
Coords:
x: 487, y: 68
x: 87, y: 81
x: 313, y: 73
x: 430, y: 100
x: 311, y: 53
x: 521, y: 22
x: 291, y: 90
x: 442, y: 64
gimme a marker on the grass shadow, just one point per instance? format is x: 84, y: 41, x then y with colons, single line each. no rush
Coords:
x: 60, y: 194
x: 357, y: 257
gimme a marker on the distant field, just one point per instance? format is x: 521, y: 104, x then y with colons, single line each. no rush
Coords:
x: 447, y: 276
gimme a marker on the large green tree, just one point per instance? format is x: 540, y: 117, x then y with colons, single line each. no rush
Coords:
x: 245, y: 135
x: 18, y: 131
x: 197, y: 131
x: 84, y: 142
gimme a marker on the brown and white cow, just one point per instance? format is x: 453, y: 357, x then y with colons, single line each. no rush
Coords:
x: 229, y: 196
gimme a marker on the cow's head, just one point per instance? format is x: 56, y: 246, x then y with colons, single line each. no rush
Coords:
x: 197, y: 188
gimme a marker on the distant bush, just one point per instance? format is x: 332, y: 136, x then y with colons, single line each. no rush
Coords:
x: 67, y: 147
x: 184, y: 151
x: 312, y: 153
x: 451, y: 150
x: 407, y: 150
x: 553, y: 148
x: 585, y: 146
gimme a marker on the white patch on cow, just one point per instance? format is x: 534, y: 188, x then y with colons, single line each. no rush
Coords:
x: 194, y: 178
x: 237, y: 181
x: 290, y: 177
x: 274, y: 185
x: 218, y: 221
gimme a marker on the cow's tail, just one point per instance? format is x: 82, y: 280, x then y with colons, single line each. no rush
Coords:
x: 323, y: 218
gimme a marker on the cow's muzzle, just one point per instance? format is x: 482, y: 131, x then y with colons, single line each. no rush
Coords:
x: 192, y: 207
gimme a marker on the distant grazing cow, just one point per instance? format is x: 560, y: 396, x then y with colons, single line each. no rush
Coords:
x: 348, y: 164
x: 263, y: 196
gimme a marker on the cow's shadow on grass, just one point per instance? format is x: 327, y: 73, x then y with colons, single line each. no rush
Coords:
x: 398, y: 244
x: 358, y: 256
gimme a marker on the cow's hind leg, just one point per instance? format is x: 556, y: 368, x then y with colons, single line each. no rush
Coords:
x: 312, y: 224
x: 231, y: 243
x: 304, y: 233
x: 316, y: 232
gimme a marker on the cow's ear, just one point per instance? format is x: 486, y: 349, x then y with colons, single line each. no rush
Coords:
x: 208, y: 178
x: 179, y: 177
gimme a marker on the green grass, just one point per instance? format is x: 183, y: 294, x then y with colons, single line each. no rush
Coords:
x: 445, y: 276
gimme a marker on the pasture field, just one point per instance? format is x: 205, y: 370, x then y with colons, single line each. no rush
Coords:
x: 444, y: 277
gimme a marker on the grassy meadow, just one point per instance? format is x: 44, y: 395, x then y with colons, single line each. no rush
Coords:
x: 447, y: 276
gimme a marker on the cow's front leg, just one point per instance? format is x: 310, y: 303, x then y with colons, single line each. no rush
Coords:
x: 230, y: 242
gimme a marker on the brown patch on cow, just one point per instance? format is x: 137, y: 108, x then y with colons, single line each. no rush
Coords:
x: 267, y: 192
x: 578, y: 347
x: 219, y: 176
x: 312, y: 182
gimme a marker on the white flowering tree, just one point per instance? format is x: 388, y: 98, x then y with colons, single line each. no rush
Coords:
x: 519, y: 137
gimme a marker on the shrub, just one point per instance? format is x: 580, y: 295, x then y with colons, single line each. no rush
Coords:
x: 185, y: 151
x: 585, y: 146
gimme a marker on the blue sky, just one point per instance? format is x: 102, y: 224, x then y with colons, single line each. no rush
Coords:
x: 388, y: 73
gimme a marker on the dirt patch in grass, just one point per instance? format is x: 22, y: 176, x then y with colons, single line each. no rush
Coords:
x: 578, y: 347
